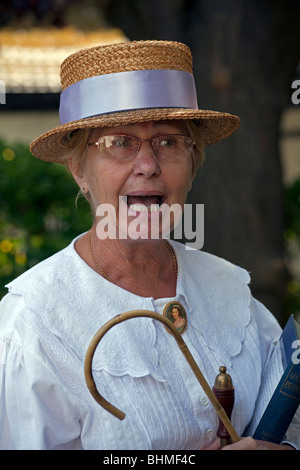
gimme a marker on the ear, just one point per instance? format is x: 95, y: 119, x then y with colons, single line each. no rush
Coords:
x: 78, y: 174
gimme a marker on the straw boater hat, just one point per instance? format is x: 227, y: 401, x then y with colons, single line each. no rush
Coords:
x: 125, y: 83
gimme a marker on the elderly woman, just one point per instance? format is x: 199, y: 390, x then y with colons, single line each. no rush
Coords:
x: 133, y: 137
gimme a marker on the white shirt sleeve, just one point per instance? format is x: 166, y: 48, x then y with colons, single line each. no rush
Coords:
x: 46, y: 410
x: 271, y: 376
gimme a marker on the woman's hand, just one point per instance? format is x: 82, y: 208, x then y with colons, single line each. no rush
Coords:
x: 248, y: 443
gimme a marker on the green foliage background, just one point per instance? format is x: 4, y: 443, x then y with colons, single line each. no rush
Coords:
x: 38, y: 214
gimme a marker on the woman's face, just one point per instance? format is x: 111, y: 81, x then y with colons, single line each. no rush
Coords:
x: 144, y: 181
x: 175, y: 313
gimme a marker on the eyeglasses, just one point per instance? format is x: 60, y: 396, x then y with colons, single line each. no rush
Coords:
x: 169, y: 147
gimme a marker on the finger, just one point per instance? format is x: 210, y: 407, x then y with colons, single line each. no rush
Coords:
x: 215, y: 445
x: 245, y: 443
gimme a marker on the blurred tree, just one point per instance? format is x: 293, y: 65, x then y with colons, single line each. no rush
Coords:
x: 38, y: 215
x: 245, y: 56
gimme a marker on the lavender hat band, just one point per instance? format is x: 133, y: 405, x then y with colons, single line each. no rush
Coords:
x: 126, y: 91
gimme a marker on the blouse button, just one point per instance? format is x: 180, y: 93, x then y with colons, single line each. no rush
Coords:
x: 204, y: 400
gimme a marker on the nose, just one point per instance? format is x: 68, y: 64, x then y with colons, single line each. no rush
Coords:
x: 145, y: 162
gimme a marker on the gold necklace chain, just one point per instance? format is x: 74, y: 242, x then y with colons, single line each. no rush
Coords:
x: 106, y: 277
x: 174, y: 258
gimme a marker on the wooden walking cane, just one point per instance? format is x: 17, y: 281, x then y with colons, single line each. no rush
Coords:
x: 184, y: 349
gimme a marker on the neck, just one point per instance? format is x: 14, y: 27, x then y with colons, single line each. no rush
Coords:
x: 145, y: 268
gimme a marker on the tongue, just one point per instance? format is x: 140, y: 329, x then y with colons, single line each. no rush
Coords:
x: 145, y: 200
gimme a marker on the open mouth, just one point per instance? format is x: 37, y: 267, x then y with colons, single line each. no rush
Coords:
x: 145, y: 203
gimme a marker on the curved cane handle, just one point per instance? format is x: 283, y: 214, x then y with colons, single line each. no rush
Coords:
x: 184, y: 349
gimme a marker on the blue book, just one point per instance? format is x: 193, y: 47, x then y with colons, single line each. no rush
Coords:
x: 286, y: 397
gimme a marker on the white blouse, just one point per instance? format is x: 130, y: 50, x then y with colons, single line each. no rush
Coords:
x: 49, y: 317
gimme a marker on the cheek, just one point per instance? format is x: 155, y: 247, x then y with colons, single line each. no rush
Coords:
x: 188, y: 175
x: 180, y: 180
x: 105, y: 182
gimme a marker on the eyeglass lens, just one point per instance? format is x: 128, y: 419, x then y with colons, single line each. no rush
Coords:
x: 124, y: 147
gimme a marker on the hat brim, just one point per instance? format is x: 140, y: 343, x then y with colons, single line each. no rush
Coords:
x: 216, y: 126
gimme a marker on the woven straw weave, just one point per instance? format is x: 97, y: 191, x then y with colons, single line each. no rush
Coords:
x: 125, y: 57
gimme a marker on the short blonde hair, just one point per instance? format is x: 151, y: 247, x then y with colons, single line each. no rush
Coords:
x: 76, y: 144
x: 198, y: 155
